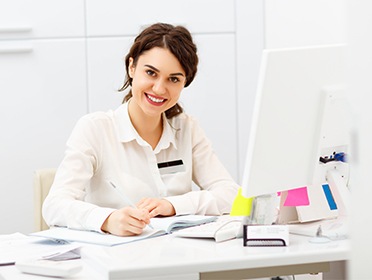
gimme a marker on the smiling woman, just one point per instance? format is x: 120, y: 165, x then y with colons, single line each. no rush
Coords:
x: 148, y: 147
x: 157, y: 81
x: 178, y: 41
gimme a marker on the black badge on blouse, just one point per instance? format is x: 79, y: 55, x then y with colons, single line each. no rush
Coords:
x: 170, y: 167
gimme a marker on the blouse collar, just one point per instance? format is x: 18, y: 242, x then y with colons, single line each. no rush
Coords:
x: 128, y: 133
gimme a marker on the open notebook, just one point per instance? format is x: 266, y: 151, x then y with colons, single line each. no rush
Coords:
x: 161, y: 226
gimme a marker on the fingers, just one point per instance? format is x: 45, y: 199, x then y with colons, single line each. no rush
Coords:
x: 131, y: 221
x: 134, y: 226
x: 157, y: 207
x: 140, y: 215
x: 126, y: 221
x: 148, y: 204
x: 152, y: 205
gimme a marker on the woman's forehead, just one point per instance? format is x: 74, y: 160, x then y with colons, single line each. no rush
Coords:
x: 162, y: 59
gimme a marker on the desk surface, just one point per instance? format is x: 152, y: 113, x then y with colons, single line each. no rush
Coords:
x: 170, y: 256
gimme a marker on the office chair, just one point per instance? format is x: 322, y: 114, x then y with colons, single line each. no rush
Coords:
x: 43, y: 180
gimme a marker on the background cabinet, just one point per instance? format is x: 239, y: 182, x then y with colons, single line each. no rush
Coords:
x: 41, y: 19
x: 122, y: 18
x: 43, y: 90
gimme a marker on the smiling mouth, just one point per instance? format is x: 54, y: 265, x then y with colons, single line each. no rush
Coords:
x: 154, y: 99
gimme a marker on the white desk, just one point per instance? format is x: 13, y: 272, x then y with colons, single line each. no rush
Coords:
x: 170, y: 257
x: 180, y: 258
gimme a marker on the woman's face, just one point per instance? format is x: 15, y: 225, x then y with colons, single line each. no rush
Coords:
x: 158, y: 79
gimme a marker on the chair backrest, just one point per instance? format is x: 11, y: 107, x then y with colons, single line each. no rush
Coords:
x: 43, y: 180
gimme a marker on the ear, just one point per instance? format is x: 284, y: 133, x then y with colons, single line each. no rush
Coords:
x: 131, y: 68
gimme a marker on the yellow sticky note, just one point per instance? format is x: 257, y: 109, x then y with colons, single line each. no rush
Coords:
x: 242, y: 206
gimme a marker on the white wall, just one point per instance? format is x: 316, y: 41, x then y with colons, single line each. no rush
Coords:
x: 360, y: 92
x: 290, y: 23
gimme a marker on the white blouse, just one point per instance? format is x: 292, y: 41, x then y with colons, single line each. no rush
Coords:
x: 104, y: 147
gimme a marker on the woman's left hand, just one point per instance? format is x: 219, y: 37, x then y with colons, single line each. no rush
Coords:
x: 157, y: 207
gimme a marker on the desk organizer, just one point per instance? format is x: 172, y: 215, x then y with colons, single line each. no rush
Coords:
x: 265, y: 235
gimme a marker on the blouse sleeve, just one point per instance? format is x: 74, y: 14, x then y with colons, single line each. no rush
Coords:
x: 64, y: 205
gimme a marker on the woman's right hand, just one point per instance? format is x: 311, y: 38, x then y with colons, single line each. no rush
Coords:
x: 126, y: 221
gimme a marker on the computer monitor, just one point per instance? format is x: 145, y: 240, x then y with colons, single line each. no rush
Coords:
x: 299, y: 116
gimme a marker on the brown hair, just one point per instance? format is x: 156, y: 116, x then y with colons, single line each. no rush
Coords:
x: 178, y: 40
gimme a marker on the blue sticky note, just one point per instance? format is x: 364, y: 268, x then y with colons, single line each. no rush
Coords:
x: 329, y: 196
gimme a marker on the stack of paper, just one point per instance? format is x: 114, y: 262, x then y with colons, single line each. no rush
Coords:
x: 17, y: 246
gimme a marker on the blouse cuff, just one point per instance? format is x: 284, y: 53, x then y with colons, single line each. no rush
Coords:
x: 97, y: 217
x: 182, y: 204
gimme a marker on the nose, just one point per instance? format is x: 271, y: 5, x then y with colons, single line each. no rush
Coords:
x: 159, y: 87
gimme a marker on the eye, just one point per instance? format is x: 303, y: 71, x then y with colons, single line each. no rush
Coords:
x: 150, y: 73
x: 174, y: 79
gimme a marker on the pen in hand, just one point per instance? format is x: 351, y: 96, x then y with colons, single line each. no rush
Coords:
x: 126, y: 199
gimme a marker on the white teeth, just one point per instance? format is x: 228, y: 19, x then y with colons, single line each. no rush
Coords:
x: 157, y: 100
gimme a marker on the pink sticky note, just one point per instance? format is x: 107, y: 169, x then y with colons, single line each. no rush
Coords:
x: 297, y: 197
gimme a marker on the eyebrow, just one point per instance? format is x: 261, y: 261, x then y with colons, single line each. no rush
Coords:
x: 157, y: 70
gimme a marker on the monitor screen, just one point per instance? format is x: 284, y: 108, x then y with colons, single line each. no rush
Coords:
x: 291, y: 126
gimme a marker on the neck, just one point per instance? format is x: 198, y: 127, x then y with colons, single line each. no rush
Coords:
x: 150, y: 128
